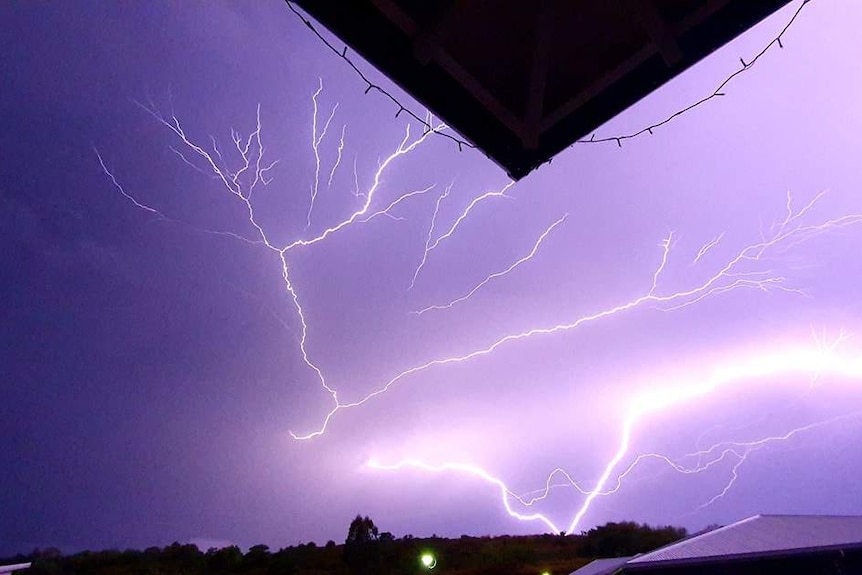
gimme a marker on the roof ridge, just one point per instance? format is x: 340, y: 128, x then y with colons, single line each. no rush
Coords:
x: 758, y: 536
x: 699, y: 536
x: 812, y: 515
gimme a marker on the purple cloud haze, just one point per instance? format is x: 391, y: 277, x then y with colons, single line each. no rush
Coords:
x: 664, y: 332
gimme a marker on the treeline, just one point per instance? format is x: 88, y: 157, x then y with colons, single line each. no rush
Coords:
x: 366, y: 551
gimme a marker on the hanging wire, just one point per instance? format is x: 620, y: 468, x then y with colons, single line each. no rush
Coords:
x: 342, y: 53
x: 718, y: 92
x: 715, y: 94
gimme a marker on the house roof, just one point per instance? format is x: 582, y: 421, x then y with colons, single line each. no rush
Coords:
x: 761, y: 535
x: 524, y: 80
x: 602, y: 566
x: 15, y: 567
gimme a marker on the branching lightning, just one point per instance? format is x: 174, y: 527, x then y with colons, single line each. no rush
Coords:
x: 736, y: 370
x: 732, y: 275
x: 241, y: 183
x: 431, y: 246
x: 316, y: 139
x: 475, y: 471
x: 707, y: 247
x: 338, y: 158
x: 253, y: 170
x: 495, y: 275
x: 159, y: 214
x: 745, y: 268
x: 501, y: 193
x: 431, y: 227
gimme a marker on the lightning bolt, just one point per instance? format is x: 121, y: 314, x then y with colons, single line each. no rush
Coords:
x: 128, y: 196
x: 160, y: 216
x: 252, y: 170
x: 316, y: 139
x: 338, y: 158
x: 707, y: 247
x: 665, y: 246
x: 387, y: 211
x: 731, y: 276
x: 405, y: 147
x: 745, y: 269
x: 736, y: 370
x: 795, y: 361
x: 431, y: 246
x: 475, y: 471
x: 495, y: 275
x: 356, y: 190
x: 440, y: 199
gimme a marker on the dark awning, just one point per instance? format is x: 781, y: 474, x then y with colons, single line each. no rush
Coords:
x: 524, y: 80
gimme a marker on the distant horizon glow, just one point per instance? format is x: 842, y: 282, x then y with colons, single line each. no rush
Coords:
x: 818, y: 361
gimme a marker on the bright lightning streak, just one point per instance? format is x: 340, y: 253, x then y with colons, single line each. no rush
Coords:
x: 739, y: 449
x: 463, y: 216
x: 473, y: 470
x: 190, y: 164
x: 387, y: 211
x: 404, y: 148
x: 707, y: 247
x: 734, y: 475
x: 499, y: 274
x: 123, y: 192
x: 316, y: 140
x: 486, y: 196
x: 792, y: 216
x: 440, y: 199
x: 529, y: 498
x: 734, y: 370
x: 731, y: 276
x: 159, y: 214
x: 734, y: 274
x: 665, y: 245
x: 821, y: 341
x: 253, y: 171
x: 338, y: 158
x: 356, y: 191
x: 795, y: 361
x: 751, y: 446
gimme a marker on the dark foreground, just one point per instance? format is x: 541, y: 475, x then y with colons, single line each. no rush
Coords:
x: 368, y: 552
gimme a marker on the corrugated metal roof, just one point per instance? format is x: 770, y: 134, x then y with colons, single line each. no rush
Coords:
x: 15, y: 567
x: 602, y: 566
x: 763, y: 534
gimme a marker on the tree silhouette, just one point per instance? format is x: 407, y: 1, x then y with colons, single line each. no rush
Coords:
x: 257, y: 557
x: 361, y: 549
x: 224, y: 560
x: 628, y: 538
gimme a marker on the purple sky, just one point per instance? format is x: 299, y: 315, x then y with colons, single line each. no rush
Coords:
x: 151, y: 373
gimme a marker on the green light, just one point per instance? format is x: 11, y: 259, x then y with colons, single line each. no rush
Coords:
x: 546, y: 573
x: 428, y: 561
